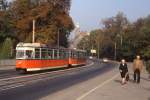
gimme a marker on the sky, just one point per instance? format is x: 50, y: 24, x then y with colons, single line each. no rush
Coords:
x: 89, y: 13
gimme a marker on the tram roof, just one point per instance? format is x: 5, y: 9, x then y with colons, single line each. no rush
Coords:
x: 45, y: 46
x: 31, y: 45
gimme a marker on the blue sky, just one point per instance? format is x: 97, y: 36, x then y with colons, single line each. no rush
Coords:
x: 89, y: 13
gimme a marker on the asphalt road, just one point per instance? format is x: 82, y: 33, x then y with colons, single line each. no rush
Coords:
x: 44, y: 85
x: 8, y: 73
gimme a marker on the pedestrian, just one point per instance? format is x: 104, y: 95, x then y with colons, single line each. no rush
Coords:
x: 137, y: 68
x: 124, y: 71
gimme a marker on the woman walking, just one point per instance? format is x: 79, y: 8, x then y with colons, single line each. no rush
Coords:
x: 124, y: 71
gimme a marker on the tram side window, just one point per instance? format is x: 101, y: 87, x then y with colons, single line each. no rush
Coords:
x: 60, y: 54
x: 85, y: 55
x: 50, y: 54
x: 44, y: 54
x: 55, y: 54
x: 71, y: 54
x: 63, y: 54
x: 82, y: 54
x: 66, y: 54
x: 29, y: 54
x: 75, y: 54
x: 79, y: 54
x: 37, y: 53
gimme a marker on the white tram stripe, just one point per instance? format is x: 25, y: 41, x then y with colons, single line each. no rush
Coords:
x: 45, y: 68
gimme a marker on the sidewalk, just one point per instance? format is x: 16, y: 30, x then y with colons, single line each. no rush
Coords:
x: 130, y: 91
x: 7, y: 67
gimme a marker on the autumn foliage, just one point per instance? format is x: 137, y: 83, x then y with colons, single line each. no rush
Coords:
x: 51, y: 16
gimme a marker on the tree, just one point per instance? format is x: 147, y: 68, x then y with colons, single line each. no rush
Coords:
x: 6, y: 26
x: 131, y: 38
x: 84, y: 44
x: 114, y: 28
x: 51, y: 17
x: 6, y: 49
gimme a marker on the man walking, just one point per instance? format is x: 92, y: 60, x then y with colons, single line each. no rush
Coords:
x: 137, y: 68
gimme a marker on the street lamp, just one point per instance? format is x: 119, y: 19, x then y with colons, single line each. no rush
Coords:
x: 33, y: 35
x: 91, y: 45
x: 115, y: 52
x: 58, y: 39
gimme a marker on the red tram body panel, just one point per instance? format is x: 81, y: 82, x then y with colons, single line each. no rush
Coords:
x: 33, y: 65
x: 74, y: 62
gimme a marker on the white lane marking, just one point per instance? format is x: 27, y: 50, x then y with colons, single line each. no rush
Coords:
x: 45, y: 73
x: 99, y: 86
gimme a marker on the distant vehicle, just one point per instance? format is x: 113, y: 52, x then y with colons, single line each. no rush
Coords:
x: 105, y: 60
x: 90, y: 57
x: 36, y: 56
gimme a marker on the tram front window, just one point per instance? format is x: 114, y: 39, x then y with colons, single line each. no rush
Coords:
x: 20, y: 54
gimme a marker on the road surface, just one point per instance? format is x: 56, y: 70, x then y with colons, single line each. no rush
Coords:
x: 97, y: 81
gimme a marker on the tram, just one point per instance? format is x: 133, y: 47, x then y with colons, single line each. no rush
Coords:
x: 37, y: 56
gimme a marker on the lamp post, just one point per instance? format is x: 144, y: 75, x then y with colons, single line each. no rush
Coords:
x: 98, y: 49
x: 58, y: 39
x: 33, y: 35
x: 115, y: 52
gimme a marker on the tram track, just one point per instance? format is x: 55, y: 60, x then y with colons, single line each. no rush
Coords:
x: 8, y: 74
x: 18, y: 81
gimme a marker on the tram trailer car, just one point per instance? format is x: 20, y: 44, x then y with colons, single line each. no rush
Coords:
x: 36, y: 57
x: 77, y: 57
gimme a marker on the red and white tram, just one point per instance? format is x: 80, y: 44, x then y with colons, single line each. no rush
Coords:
x: 36, y: 56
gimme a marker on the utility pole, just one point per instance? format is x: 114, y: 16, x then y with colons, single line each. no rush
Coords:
x: 121, y: 39
x: 58, y: 39
x: 33, y: 35
x: 98, y: 49
x: 115, y: 53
